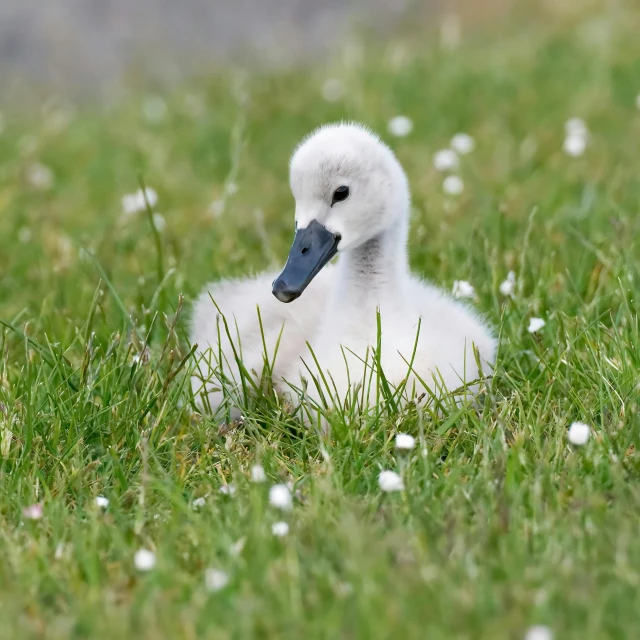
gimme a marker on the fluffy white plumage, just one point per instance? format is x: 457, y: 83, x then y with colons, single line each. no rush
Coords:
x: 336, y: 313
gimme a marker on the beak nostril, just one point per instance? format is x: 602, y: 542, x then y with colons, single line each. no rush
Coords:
x: 304, y: 250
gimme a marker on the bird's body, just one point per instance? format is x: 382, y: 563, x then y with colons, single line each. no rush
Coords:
x: 367, y: 310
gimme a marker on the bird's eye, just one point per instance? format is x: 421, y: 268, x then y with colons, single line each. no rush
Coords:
x: 340, y: 194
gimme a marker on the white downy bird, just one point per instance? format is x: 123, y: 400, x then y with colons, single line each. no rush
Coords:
x: 352, y: 199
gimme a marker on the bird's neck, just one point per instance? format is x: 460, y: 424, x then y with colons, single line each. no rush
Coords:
x: 374, y: 275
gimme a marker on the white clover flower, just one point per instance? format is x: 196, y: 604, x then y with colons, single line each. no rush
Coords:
x: 405, y: 441
x: 258, y: 474
x: 575, y: 145
x: 24, y: 235
x: 453, y: 185
x: 280, y: 529
x: 215, y: 579
x: 228, y: 490
x: 575, y: 126
x: 132, y: 203
x: 101, y: 502
x: 159, y: 222
x: 535, y: 324
x: 577, y: 136
x: 40, y: 177
x: 463, y: 289
x: 508, y: 286
x: 151, y: 195
x: 579, y: 433
x: 198, y: 502
x: 216, y: 208
x: 400, y: 126
x: 144, y: 560
x: 445, y: 159
x: 280, y: 497
x: 154, y: 109
x: 33, y: 511
x: 538, y: 632
x: 390, y: 481
x: 332, y: 90
x: 463, y: 143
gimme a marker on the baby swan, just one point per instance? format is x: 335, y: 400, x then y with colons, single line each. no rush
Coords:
x: 342, y: 322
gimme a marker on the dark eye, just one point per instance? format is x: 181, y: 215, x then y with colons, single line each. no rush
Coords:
x: 340, y: 194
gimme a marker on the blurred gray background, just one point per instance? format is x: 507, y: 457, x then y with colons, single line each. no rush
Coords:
x: 93, y: 45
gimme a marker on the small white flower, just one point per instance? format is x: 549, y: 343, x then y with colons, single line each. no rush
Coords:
x: 508, y: 286
x: 134, y: 202
x: 154, y: 109
x: 579, y: 433
x: 215, y: 579
x: 535, y: 324
x: 40, y: 177
x: 463, y: 289
x: 638, y: 101
x: 258, y: 474
x: 216, y: 208
x: 405, y: 441
x: 445, y: 159
x: 33, y: 511
x: 159, y: 222
x: 575, y: 145
x: 198, y: 502
x: 228, y: 490
x: 101, y: 502
x: 59, y: 552
x: 463, y: 143
x: 144, y: 560
x: 280, y: 529
x: 24, y: 235
x: 130, y: 204
x: 539, y: 632
x: 332, y: 90
x: 400, y: 126
x: 575, y: 126
x: 453, y: 185
x: 280, y: 497
x: 390, y: 481
x: 231, y: 188
x: 152, y: 197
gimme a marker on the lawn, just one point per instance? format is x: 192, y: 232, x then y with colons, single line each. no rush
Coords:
x: 503, y: 523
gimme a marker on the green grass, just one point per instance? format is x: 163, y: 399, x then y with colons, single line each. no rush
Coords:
x: 502, y: 524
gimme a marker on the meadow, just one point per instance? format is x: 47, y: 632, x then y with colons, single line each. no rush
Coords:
x: 503, y: 524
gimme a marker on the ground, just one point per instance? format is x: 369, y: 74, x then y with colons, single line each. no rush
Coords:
x: 503, y: 522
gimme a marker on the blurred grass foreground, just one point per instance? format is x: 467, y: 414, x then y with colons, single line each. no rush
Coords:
x: 125, y: 513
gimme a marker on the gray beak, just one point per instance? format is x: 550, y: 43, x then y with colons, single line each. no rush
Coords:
x: 312, y: 248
